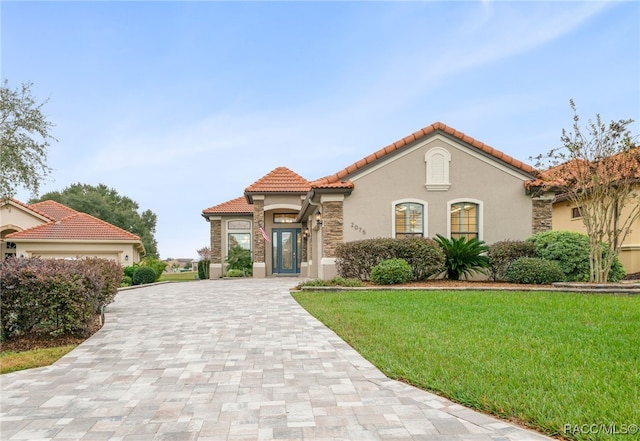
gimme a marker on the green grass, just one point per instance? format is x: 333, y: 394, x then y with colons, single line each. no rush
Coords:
x: 543, y: 359
x: 179, y: 277
x: 17, y: 361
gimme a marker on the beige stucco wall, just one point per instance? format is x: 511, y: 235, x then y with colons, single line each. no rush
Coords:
x: 15, y: 218
x: 630, y: 252
x: 505, y: 208
x: 123, y: 252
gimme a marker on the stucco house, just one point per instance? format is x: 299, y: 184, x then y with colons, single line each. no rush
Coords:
x: 49, y: 229
x: 566, y: 215
x: 436, y: 180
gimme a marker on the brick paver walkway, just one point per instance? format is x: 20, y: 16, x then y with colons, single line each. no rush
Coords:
x: 225, y: 360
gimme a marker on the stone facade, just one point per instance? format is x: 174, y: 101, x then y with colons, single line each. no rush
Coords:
x: 332, y: 227
x: 258, y: 240
x: 542, y: 211
x: 216, y: 241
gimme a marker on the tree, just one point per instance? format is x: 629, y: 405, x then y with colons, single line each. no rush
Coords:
x: 106, y: 204
x: 24, y: 140
x: 600, y: 174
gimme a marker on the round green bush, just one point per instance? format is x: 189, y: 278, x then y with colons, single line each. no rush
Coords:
x: 571, y: 251
x: 126, y: 281
x: 235, y: 273
x: 391, y: 272
x: 143, y: 275
x: 532, y: 270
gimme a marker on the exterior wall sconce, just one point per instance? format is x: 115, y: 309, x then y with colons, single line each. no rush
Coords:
x: 305, y: 233
x: 126, y: 257
x: 319, y: 219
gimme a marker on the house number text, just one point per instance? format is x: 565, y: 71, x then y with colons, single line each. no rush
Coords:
x: 358, y: 228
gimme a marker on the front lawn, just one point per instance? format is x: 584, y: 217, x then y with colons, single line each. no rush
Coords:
x: 565, y: 364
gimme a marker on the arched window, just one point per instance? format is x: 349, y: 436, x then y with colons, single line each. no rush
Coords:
x: 409, y: 220
x: 437, y: 160
x: 465, y: 219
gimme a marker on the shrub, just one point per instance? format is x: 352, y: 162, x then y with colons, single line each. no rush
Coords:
x: 54, y: 296
x: 533, y: 270
x: 158, y: 266
x: 463, y: 257
x: 143, y: 275
x: 235, y: 273
x: 391, y: 272
x: 502, y: 254
x: 336, y: 281
x: 356, y: 260
x: 128, y: 270
x: 203, y: 269
x: 571, y: 251
x: 239, y: 258
x: 126, y: 281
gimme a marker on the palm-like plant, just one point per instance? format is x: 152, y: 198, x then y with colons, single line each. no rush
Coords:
x: 463, y: 257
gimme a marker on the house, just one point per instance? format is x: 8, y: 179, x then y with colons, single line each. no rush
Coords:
x: 434, y: 181
x: 566, y: 215
x: 49, y: 229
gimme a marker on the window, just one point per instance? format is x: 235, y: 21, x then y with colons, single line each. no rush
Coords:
x: 409, y: 220
x: 576, y: 213
x: 437, y: 160
x: 284, y: 218
x: 465, y: 220
x: 239, y: 233
x: 242, y: 239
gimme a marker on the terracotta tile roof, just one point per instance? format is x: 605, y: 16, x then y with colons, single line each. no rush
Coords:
x: 53, y: 209
x: 625, y: 163
x: 78, y: 226
x: 280, y: 180
x: 340, y: 177
x: 27, y: 207
x: 234, y: 206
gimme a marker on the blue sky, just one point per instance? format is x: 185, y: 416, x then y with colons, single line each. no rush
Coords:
x: 181, y: 105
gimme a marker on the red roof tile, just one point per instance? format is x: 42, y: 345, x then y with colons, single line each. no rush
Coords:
x: 234, y: 206
x: 280, y: 180
x: 53, y: 209
x: 26, y: 207
x: 433, y: 128
x: 78, y: 226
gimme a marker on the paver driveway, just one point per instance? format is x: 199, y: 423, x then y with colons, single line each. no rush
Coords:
x: 228, y: 359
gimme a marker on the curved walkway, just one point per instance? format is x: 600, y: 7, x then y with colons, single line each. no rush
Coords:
x: 225, y: 360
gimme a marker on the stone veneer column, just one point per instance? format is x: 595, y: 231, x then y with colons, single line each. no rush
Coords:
x: 215, y: 267
x: 332, y: 235
x: 259, y: 265
x: 542, y: 213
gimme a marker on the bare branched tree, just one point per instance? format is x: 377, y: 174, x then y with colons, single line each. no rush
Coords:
x: 599, y: 172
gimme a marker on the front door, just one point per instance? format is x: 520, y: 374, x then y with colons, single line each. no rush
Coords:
x: 285, y: 245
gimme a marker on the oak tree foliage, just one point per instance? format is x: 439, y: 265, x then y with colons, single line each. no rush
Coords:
x: 25, y: 136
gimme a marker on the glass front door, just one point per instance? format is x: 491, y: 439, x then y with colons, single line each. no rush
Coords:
x: 285, y: 244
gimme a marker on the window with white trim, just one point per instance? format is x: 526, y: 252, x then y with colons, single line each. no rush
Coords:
x: 437, y: 161
x: 409, y: 220
x: 464, y: 220
x: 239, y: 233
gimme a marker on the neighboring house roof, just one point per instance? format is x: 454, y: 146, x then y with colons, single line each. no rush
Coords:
x: 234, y: 206
x: 26, y: 207
x: 279, y: 180
x: 78, y: 226
x: 626, y: 163
x: 53, y: 209
x: 340, y: 179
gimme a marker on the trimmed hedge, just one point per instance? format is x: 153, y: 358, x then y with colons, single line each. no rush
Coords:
x: 502, y: 254
x: 391, y: 272
x: 54, y: 296
x: 533, y: 270
x: 143, y: 275
x: 571, y: 251
x: 356, y: 260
